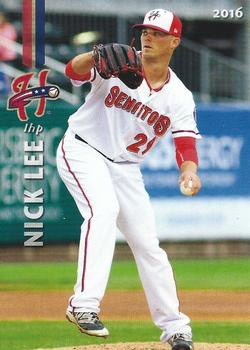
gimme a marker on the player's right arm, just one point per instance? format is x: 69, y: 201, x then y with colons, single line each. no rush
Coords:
x: 79, y: 67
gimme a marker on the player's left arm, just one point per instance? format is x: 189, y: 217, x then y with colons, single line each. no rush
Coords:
x: 187, y: 160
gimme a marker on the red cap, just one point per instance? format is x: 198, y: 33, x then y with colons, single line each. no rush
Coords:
x: 162, y: 20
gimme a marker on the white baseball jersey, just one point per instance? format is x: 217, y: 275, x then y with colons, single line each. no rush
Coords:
x: 124, y: 124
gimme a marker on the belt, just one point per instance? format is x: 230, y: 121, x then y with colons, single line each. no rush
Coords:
x: 80, y: 139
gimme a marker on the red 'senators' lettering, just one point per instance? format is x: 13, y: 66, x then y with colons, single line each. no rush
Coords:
x: 129, y: 104
x: 153, y: 117
x: 135, y: 108
x: 161, y: 125
x: 147, y: 110
x: 110, y: 99
x: 120, y: 99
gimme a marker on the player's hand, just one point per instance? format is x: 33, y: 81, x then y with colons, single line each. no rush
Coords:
x: 188, y: 175
x: 120, y: 61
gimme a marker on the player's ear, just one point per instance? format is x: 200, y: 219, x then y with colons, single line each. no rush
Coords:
x: 175, y: 42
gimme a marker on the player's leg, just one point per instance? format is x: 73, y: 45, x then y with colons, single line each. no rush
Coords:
x: 88, y: 180
x: 137, y: 223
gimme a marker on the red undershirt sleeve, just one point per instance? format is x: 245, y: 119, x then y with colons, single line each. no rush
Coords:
x: 71, y: 74
x: 185, y: 148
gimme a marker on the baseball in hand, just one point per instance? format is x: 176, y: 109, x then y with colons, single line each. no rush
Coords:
x: 187, y: 191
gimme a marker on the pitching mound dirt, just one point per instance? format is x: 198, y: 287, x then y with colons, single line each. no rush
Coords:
x: 154, y: 346
x: 218, y: 305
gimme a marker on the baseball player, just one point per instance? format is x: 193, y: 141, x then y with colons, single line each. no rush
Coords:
x: 135, y: 100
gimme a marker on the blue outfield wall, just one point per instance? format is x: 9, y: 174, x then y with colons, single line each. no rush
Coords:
x: 222, y: 208
x: 224, y: 159
x: 220, y: 211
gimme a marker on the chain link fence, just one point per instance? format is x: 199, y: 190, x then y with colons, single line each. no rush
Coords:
x: 209, y: 75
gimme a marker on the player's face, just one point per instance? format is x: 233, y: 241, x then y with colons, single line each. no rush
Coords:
x: 155, y: 43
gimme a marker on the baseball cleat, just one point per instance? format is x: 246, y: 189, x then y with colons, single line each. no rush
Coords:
x: 180, y: 341
x: 88, y: 323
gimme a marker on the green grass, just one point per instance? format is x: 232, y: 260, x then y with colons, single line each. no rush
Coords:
x: 221, y: 332
x: 37, y: 276
x: 22, y: 335
x: 225, y: 274
x: 220, y: 274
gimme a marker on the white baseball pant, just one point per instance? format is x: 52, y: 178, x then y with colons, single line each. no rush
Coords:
x: 110, y: 195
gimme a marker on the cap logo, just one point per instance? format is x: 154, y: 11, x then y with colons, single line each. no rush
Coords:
x: 153, y: 15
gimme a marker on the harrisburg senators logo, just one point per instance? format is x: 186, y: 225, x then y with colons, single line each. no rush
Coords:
x: 24, y: 95
x: 153, y: 15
